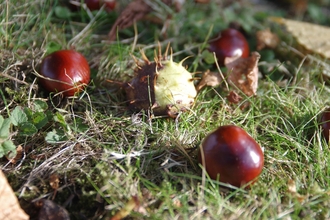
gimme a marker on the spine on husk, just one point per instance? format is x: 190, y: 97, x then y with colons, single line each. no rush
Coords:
x: 162, y: 86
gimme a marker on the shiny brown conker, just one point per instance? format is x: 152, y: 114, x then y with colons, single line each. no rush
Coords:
x: 94, y: 5
x: 65, y: 71
x: 229, y: 43
x: 325, y: 123
x: 229, y: 154
x: 97, y: 4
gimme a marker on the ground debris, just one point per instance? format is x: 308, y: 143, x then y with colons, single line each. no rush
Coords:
x: 133, y: 12
x: 49, y: 210
x: 132, y: 205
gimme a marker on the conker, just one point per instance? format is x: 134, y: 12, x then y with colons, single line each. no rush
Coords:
x: 94, y: 5
x: 229, y: 43
x: 325, y: 123
x: 68, y: 72
x: 232, y: 155
x: 97, y: 4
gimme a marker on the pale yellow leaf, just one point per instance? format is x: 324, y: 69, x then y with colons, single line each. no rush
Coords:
x: 313, y: 37
x: 10, y: 207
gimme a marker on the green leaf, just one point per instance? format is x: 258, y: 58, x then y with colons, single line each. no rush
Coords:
x: 60, y: 119
x: 40, y: 106
x: 50, y: 115
x: 39, y: 119
x: 80, y: 126
x: 62, y: 12
x: 27, y: 129
x: 208, y: 57
x: 18, y: 116
x: 7, y: 147
x: 4, y: 127
x: 29, y: 113
x: 55, y: 136
x: 52, y: 47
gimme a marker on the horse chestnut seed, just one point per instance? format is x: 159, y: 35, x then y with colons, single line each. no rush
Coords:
x: 94, y: 5
x: 65, y: 71
x: 97, y: 4
x: 230, y: 43
x: 325, y: 123
x: 231, y: 155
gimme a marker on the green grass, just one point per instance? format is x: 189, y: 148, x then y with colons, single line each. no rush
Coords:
x: 109, y: 155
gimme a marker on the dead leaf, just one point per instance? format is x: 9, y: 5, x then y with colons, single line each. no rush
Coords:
x: 54, y: 181
x: 177, y: 203
x: 314, y: 38
x: 135, y: 11
x: 292, y: 189
x: 233, y: 97
x: 178, y: 4
x: 266, y: 39
x: 132, y: 205
x: 50, y: 210
x: 295, y: 7
x: 15, y: 158
x: 209, y: 79
x: 10, y: 207
x: 243, y: 73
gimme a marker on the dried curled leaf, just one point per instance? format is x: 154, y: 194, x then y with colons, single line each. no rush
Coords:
x: 266, y: 39
x: 132, y: 205
x: 54, y: 181
x: 209, y: 79
x: 243, y: 73
x: 135, y: 11
x: 314, y: 38
x: 295, y: 7
x: 292, y: 189
x: 15, y: 158
x: 234, y: 98
x: 10, y: 208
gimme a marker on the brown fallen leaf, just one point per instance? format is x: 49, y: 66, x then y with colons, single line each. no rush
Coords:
x: 132, y: 205
x: 10, y: 207
x: 266, y: 39
x: 312, y: 37
x: 295, y: 7
x: 54, y: 182
x: 292, y: 189
x: 243, y: 73
x: 50, y: 210
x: 135, y: 11
x: 209, y: 79
x: 15, y: 158
x: 234, y: 98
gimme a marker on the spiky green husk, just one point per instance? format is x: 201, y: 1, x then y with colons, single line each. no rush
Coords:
x: 162, y: 86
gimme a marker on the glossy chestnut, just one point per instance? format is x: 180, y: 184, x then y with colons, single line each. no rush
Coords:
x: 68, y: 72
x: 97, y: 4
x: 229, y: 43
x: 231, y: 155
x: 325, y: 123
x: 94, y: 5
